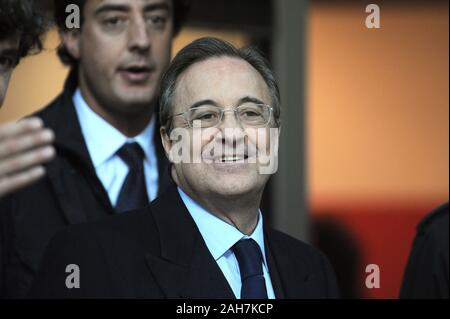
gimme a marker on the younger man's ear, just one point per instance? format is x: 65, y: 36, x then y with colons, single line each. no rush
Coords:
x: 71, y: 41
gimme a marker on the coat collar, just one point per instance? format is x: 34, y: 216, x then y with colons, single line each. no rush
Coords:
x: 61, y: 117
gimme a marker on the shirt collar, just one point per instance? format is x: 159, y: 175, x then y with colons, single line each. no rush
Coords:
x: 102, y: 139
x: 218, y: 235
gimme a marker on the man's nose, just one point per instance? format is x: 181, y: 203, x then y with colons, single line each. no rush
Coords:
x: 229, y: 120
x: 139, y: 36
x: 231, y: 130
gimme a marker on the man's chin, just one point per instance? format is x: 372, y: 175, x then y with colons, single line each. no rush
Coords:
x: 233, y: 188
x: 135, y: 104
x: 136, y: 94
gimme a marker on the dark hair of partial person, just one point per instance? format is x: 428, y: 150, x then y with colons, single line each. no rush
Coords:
x: 21, y: 19
x: 207, y: 48
x: 180, y: 12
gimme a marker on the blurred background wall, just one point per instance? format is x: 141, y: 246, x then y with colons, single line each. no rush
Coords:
x: 365, y: 147
x: 378, y: 128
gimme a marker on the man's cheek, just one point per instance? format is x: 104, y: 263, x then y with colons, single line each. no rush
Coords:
x: 206, y: 145
x: 258, y: 139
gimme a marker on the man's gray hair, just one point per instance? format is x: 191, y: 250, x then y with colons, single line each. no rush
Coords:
x: 201, y: 50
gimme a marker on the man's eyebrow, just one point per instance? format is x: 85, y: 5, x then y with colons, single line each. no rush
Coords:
x: 112, y: 7
x: 203, y: 102
x: 157, y: 6
x: 249, y: 99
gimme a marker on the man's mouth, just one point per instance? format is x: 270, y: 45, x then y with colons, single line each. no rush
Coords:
x: 136, y: 73
x: 233, y: 158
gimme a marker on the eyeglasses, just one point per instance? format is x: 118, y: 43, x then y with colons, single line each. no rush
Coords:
x: 248, y: 115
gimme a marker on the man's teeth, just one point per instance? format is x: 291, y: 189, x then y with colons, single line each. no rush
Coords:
x: 231, y: 159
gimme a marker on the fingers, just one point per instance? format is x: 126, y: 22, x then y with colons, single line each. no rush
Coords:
x: 25, y: 160
x: 21, y: 127
x: 13, y: 182
x: 13, y: 145
x: 24, y: 146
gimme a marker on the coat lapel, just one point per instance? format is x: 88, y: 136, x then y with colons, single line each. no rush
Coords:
x: 289, y: 274
x: 185, y: 268
x: 273, y: 273
x: 67, y: 194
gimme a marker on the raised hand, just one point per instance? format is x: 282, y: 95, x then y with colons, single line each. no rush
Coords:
x: 24, y: 147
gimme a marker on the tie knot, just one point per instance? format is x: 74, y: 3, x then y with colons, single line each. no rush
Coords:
x: 132, y: 154
x: 249, y: 257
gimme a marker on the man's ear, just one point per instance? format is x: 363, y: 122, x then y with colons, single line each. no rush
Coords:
x: 166, y: 142
x: 167, y: 145
x: 71, y: 41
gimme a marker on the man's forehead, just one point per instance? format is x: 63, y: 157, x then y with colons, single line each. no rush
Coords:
x: 223, y: 62
x: 216, y: 67
x: 203, y: 80
x: 219, y: 67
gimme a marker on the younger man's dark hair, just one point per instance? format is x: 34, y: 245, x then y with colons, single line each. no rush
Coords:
x: 21, y: 19
x: 180, y: 11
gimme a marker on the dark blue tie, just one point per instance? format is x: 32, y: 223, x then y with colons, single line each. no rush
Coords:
x: 249, y: 257
x: 133, y: 193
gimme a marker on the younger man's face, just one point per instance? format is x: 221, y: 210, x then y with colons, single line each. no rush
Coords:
x: 9, y: 49
x: 124, y: 47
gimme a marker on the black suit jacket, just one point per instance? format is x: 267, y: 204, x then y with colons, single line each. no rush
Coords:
x: 71, y: 193
x: 158, y: 252
x: 427, y: 271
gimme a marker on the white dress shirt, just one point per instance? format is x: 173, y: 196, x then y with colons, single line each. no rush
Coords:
x: 103, y: 141
x: 220, y: 237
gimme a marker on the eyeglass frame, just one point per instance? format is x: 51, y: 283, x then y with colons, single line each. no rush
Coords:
x: 222, y: 112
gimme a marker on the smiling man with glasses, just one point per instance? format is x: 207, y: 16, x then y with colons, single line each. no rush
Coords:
x: 205, y: 237
x: 253, y: 118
